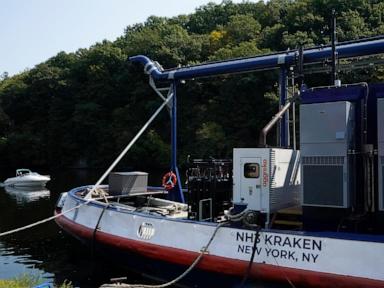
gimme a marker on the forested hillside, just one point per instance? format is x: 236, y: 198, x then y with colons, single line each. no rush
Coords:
x: 84, y: 107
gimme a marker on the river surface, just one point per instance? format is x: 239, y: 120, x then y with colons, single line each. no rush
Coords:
x: 45, y: 250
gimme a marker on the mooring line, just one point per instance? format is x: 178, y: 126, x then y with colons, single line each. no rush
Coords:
x: 203, y: 251
x: 278, y: 265
x: 96, y: 186
x: 126, y: 149
x: 44, y: 220
x: 250, y: 263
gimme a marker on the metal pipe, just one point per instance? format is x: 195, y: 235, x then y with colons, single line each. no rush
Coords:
x: 177, y: 192
x: 268, y: 127
x: 293, y: 113
x: 313, y: 55
x: 174, y: 128
x: 334, y: 52
x: 284, y: 128
x: 300, y: 68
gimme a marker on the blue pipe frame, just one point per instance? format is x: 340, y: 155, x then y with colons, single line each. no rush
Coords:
x: 363, y: 47
x: 177, y: 192
x: 284, y: 124
x: 283, y: 60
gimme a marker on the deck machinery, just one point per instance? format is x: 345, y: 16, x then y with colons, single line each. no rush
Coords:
x: 209, y: 190
x: 337, y: 177
x: 267, y: 179
x: 338, y: 154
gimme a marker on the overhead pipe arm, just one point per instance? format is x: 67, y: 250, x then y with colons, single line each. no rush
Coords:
x: 357, y: 48
x: 269, y: 126
x: 150, y: 67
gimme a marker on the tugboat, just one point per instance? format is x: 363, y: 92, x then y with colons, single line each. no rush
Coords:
x: 313, y: 218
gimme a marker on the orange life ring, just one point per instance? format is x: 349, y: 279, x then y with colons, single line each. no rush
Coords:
x: 169, y: 180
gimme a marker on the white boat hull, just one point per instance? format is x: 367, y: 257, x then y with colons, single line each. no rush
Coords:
x: 312, y: 260
x: 27, y: 181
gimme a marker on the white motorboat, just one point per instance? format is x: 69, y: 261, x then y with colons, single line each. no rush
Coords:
x: 27, y: 178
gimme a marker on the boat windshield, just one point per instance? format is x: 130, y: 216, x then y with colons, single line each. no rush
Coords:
x: 20, y: 172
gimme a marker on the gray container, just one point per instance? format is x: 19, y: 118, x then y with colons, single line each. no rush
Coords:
x: 326, y: 135
x: 380, y: 144
x: 128, y: 183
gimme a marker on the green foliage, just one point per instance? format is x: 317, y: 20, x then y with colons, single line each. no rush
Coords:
x: 170, y: 43
x: 352, y: 26
x: 84, y: 107
x: 211, y: 138
x: 242, y: 28
x: 28, y: 281
x: 23, y: 281
x: 297, y: 39
x: 66, y: 284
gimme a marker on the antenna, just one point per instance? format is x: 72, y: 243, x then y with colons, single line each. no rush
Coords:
x: 334, y: 77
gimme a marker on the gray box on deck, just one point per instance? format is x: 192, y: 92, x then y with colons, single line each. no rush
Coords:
x: 128, y: 183
x: 380, y: 145
x: 326, y: 129
x: 327, y: 133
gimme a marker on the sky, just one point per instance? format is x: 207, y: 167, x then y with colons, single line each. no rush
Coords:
x: 32, y: 31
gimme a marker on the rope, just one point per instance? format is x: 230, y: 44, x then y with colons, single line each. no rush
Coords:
x: 204, y: 250
x: 133, y: 141
x: 95, y: 230
x: 44, y: 220
x: 246, y: 275
x: 242, y: 216
x: 278, y: 266
x: 235, y: 218
x: 96, y: 186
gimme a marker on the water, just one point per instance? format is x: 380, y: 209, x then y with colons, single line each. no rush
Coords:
x: 45, y: 250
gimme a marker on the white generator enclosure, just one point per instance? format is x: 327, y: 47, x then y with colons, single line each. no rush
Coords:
x: 326, y: 136
x: 380, y: 136
x: 267, y: 179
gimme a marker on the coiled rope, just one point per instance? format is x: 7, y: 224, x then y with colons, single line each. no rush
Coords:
x: 203, y: 251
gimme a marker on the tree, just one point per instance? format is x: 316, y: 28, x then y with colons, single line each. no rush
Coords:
x: 91, y: 103
x: 4, y: 76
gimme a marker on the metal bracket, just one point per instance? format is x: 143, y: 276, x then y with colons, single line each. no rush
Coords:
x: 162, y: 92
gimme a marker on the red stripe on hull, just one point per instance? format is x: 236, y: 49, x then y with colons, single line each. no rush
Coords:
x: 218, y: 264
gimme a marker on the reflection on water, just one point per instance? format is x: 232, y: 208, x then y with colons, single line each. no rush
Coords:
x: 12, y: 265
x: 44, y: 249
x: 27, y: 194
